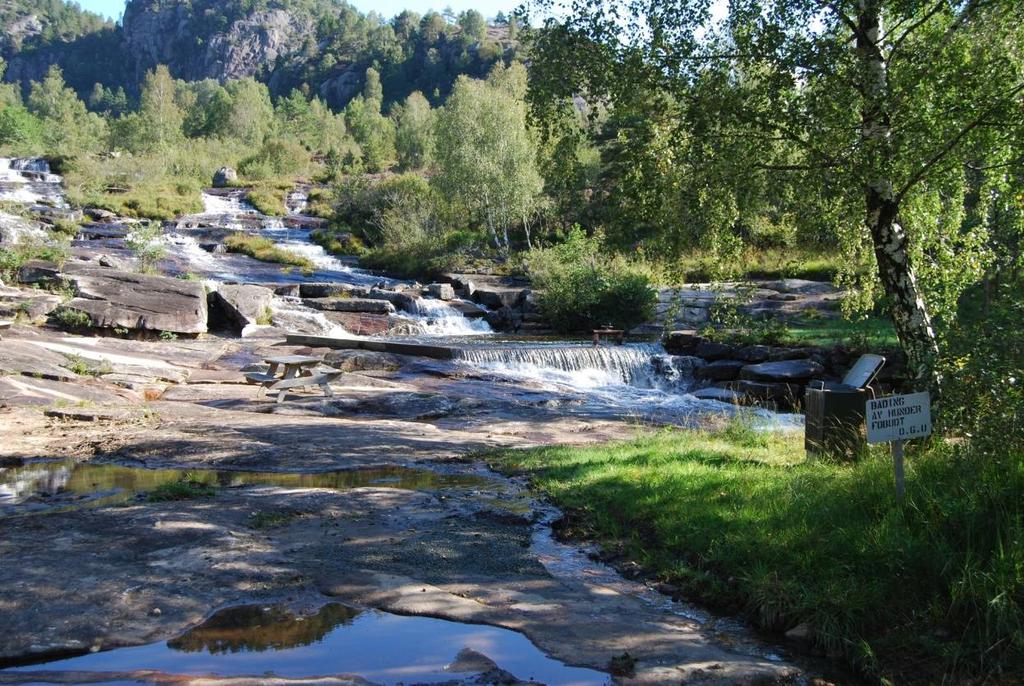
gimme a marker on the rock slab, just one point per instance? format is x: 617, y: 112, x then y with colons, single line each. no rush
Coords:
x: 114, y: 299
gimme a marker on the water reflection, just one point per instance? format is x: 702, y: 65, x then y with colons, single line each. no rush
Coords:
x: 380, y: 647
x: 256, y: 628
x: 47, y: 484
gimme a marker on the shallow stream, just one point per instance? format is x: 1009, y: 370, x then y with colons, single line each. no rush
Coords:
x: 384, y: 648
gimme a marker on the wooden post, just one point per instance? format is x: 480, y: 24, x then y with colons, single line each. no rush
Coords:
x: 897, y: 463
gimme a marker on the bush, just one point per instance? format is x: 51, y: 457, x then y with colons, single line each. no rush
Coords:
x: 276, y: 158
x: 338, y: 241
x: 145, y: 242
x: 12, y: 258
x: 583, y: 289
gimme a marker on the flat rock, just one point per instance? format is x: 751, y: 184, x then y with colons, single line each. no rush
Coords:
x: 719, y: 370
x: 25, y: 390
x: 362, y: 360
x: 85, y: 414
x: 23, y: 358
x: 785, y: 370
x: 362, y: 324
x: 30, y: 303
x: 114, y: 299
x: 368, y: 305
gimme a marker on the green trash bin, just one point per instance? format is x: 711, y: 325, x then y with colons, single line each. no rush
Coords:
x: 834, y: 413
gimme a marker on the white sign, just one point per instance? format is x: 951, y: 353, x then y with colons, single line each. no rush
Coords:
x: 899, y: 418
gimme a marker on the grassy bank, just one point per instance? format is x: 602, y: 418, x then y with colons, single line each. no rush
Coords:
x: 905, y: 591
x: 264, y: 249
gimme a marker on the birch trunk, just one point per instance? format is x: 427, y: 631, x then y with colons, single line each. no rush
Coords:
x: 895, y: 271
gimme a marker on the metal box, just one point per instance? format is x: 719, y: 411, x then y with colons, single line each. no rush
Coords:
x: 834, y: 413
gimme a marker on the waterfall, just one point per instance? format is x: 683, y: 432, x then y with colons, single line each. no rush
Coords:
x: 29, y: 181
x: 290, y: 314
x: 578, y: 366
x: 438, y: 318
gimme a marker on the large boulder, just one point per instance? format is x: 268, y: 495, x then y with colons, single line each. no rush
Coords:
x: 782, y: 371
x: 39, y: 272
x: 441, y: 291
x: 113, y: 299
x: 403, y: 300
x: 496, y: 297
x: 224, y: 177
x: 239, y: 307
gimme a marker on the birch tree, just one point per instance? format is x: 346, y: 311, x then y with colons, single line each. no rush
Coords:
x: 887, y: 100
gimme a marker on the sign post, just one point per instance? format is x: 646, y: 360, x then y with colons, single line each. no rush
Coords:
x: 896, y: 419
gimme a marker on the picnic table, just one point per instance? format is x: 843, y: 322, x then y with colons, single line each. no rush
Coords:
x: 296, y: 371
x: 618, y: 334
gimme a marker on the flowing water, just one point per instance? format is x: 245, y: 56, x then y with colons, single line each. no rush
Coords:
x: 29, y: 181
x: 384, y: 648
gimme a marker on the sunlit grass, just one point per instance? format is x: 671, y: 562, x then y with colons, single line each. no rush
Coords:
x: 737, y: 518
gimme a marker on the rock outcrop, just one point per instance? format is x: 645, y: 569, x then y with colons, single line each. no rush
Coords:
x: 114, y: 299
x: 239, y: 307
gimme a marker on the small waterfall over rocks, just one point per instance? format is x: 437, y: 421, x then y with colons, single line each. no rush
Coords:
x: 289, y: 313
x: 29, y: 181
x: 584, y: 366
x: 438, y: 318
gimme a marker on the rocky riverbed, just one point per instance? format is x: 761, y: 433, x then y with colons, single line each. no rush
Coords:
x: 164, y: 521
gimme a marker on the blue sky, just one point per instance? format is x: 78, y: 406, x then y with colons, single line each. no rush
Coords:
x: 388, y: 8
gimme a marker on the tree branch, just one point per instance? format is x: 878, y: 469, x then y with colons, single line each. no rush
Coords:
x: 950, y: 144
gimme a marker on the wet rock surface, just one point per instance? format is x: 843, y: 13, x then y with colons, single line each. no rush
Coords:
x: 478, y: 551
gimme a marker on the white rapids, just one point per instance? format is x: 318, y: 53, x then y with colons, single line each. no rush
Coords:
x: 29, y: 181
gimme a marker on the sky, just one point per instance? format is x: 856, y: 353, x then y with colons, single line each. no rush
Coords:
x: 387, y: 8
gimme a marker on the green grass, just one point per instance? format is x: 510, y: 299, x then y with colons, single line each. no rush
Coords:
x: 868, y: 334
x: 185, y: 489
x: 264, y: 249
x: 737, y: 519
x: 338, y: 242
x: 768, y: 263
x: 268, y: 199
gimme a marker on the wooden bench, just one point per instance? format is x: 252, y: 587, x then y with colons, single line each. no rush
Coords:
x: 269, y: 382
x: 619, y: 334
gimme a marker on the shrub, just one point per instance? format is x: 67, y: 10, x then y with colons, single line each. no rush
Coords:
x: 338, y: 241
x: 583, y: 289
x: 276, y: 158
x: 146, y: 243
x: 12, y: 258
x: 71, y: 319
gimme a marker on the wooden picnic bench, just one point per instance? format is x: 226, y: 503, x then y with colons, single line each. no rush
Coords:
x: 298, y: 372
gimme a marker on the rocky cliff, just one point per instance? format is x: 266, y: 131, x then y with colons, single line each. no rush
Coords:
x: 325, y: 45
